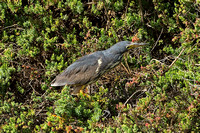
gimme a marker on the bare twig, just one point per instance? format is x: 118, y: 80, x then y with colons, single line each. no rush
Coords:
x: 155, y: 60
x: 174, y: 61
x: 14, y: 25
x: 127, y: 63
x: 128, y: 100
x: 40, y: 111
x: 108, y: 18
x: 132, y: 96
x: 127, y: 7
x: 157, y: 40
x: 90, y: 3
x: 176, y: 58
x: 125, y: 68
x: 11, y: 26
x: 141, y: 11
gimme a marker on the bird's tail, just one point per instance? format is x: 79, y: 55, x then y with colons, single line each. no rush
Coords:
x: 59, y: 81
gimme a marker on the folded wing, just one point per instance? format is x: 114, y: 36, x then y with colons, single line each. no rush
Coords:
x: 81, y: 72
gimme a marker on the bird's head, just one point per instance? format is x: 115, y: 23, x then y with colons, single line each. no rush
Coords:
x: 124, y: 46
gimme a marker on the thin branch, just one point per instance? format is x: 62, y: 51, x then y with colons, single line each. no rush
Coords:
x: 108, y: 18
x: 14, y: 26
x: 127, y: 7
x: 40, y: 111
x: 132, y: 96
x: 157, y: 40
x: 155, y: 60
x: 141, y: 11
x: 176, y: 58
x: 125, y: 68
x: 126, y: 62
x: 174, y: 61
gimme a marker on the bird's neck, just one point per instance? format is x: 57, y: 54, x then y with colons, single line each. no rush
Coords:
x: 113, y: 53
x: 112, y: 50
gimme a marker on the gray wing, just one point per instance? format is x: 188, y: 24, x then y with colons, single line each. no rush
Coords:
x: 82, y: 71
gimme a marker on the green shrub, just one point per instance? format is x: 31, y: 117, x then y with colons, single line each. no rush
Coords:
x: 156, y: 90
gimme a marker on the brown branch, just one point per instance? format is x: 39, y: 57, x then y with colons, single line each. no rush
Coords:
x: 157, y: 40
x: 125, y: 68
x: 141, y: 11
x: 173, y: 61
x: 132, y: 96
x: 176, y: 58
x: 127, y: 7
x: 126, y: 62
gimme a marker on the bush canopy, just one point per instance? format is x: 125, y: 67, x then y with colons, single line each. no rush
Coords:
x: 155, y: 88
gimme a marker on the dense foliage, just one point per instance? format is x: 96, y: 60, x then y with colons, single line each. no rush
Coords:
x: 155, y: 89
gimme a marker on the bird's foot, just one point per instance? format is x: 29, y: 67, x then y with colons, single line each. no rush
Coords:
x: 82, y: 93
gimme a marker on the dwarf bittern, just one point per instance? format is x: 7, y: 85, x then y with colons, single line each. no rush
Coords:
x: 90, y: 68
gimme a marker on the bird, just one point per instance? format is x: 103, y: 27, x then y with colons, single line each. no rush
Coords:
x: 89, y: 68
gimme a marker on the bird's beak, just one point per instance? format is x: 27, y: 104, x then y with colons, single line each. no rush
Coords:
x: 135, y: 45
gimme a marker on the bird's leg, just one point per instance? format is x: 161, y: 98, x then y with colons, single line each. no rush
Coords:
x: 87, y: 89
x: 83, y: 89
x: 126, y: 55
x: 77, y: 89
